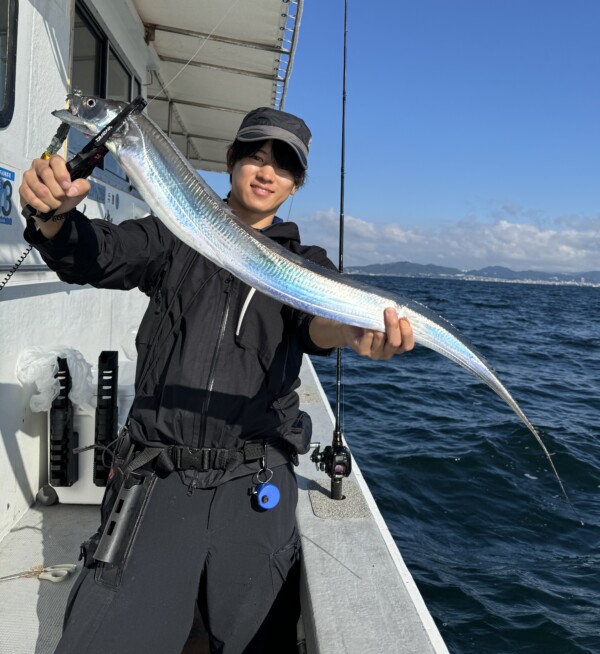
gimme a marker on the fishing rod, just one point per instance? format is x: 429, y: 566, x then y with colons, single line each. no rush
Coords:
x: 336, y: 459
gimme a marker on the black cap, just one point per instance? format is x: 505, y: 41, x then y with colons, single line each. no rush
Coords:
x: 267, y: 123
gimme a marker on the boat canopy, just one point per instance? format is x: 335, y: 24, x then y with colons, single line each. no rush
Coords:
x: 215, y: 61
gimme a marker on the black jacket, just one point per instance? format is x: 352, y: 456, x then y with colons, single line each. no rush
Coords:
x: 218, y: 363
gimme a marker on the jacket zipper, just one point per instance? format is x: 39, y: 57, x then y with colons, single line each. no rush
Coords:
x: 213, y: 363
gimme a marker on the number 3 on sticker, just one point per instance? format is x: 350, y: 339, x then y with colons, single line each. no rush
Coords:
x: 6, y: 198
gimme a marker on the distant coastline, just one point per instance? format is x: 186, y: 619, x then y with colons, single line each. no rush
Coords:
x: 488, y: 274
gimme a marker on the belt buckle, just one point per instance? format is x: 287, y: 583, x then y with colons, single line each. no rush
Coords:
x: 205, y: 453
x: 189, y: 457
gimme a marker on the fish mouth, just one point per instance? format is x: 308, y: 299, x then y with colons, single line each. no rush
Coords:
x: 73, y: 100
x: 70, y: 118
x: 71, y: 115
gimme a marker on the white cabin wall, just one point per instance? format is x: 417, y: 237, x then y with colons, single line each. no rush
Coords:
x: 49, y: 43
x: 36, y: 309
x: 43, y: 44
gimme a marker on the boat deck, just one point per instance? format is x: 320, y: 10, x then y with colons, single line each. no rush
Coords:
x: 357, y: 595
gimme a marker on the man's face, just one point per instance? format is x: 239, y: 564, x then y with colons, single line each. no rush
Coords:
x: 259, y: 187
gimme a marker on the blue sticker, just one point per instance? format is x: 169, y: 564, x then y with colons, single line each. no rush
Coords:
x: 7, y: 197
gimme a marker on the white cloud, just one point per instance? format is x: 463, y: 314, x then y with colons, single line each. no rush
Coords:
x: 512, y: 236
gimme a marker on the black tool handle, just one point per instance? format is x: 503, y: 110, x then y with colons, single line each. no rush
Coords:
x: 79, y: 167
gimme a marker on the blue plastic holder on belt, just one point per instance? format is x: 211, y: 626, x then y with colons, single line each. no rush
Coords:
x: 267, y: 495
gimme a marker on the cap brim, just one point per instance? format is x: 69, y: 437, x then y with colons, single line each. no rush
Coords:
x: 262, y: 132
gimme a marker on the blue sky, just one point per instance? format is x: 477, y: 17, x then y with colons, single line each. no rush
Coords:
x: 472, y: 134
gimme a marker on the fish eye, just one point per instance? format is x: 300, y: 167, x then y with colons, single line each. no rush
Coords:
x: 90, y: 102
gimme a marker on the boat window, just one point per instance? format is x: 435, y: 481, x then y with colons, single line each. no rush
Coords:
x: 119, y: 88
x: 87, y: 58
x: 8, y: 59
x: 119, y: 79
x: 87, y: 67
x: 98, y: 70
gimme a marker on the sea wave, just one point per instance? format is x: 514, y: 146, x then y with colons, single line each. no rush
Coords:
x: 501, y: 559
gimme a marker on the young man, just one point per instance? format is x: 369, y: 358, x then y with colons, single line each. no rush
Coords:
x: 215, y: 412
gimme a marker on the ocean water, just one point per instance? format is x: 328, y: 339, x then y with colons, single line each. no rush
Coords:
x: 499, y: 556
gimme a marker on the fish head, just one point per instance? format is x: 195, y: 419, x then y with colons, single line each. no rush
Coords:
x: 88, y: 114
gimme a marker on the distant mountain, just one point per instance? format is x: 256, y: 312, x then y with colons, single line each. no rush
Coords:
x: 408, y: 269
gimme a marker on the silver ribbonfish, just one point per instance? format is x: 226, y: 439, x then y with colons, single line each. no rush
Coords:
x: 194, y: 213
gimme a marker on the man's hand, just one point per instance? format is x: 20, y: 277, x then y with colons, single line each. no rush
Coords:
x: 47, y: 186
x: 397, y: 338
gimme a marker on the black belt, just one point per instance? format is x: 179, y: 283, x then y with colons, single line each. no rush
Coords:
x: 210, y: 458
x: 176, y: 457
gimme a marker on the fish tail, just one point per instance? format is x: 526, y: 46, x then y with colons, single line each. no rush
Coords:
x: 517, y: 409
x: 441, y: 336
x: 487, y: 375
